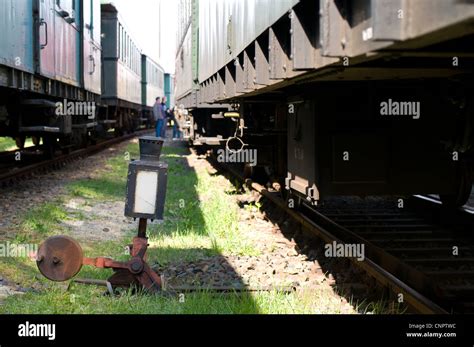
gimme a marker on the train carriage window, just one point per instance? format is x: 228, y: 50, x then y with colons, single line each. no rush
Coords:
x: 127, y: 48
x: 119, y: 45
x: 135, y: 58
x: 124, y: 41
x: 132, y: 56
x: 137, y: 65
x: 122, y: 46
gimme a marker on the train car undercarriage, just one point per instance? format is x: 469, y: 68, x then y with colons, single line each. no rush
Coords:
x: 356, y: 138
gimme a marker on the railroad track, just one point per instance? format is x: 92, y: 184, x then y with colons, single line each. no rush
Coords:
x: 10, y: 175
x: 410, y: 251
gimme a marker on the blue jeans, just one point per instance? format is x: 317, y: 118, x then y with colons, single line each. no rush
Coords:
x: 159, y: 127
x: 176, y: 131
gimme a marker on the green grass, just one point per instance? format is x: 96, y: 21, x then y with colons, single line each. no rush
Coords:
x: 201, y: 220
x: 111, y: 182
x: 8, y: 144
x: 83, y: 299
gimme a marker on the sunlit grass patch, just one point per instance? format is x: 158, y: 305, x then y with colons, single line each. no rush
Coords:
x: 42, y: 222
x: 82, y: 299
x: 6, y: 143
x: 9, y: 144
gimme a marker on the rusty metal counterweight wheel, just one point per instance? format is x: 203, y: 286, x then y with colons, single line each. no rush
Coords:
x: 59, y: 258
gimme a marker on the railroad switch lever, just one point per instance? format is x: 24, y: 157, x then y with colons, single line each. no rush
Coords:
x: 60, y: 258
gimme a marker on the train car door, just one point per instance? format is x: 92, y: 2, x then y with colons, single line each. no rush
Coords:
x: 91, y: 43
x: 46, y: 41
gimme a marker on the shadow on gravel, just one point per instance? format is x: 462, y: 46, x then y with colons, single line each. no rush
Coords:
x: 345, y: 279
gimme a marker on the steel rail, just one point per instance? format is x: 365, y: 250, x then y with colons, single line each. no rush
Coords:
x: 412, y: 297
x: 12, y: 175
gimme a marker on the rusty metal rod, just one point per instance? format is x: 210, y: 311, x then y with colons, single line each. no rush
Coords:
x: 224, y: 289
x: 187, y: 289
x: 142, y: 223
x: 90, y: 281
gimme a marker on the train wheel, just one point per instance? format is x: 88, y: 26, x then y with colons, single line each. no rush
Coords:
x: 36, y: 140
x: 463, y: 189
x: 20, y: 142
x: 101, y: 131
x: 66, y: 144
x: 118, y: 132
x: 49, y: 144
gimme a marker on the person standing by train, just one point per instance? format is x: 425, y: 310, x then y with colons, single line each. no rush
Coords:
x: 176, y: 130
x: 164, y: 116
x: 158, y: 115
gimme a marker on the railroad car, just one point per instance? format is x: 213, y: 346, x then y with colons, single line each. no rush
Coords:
x: 153, y: 86
x: 49, y: 52
x: 188, y: 64
x: 121, y: 65
x: 169, y: 90
x: 366, y: 97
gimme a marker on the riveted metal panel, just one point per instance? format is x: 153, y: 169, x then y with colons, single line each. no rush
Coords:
x: 230, y: 86
x: 356, y: 27
x: 249, y: 68
x: 305, y: 48
x: 227, y: 27
x: 346, y: 28
x: 262, y: 64
x: 239, y: 74
x: 306, y: 37
x: 387, y: 19
x: 16, y: 40
x: 279, y: 61
x: 221, y: 84
x: 402, y: 19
